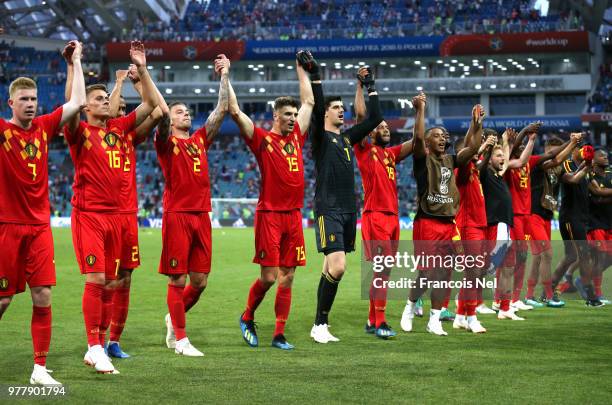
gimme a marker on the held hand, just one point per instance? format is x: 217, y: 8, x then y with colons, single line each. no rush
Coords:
x: 121, y: 74
x: 419, y: 101
x: 133, y: 74
x: 309, y: 64
x: 137, y: 53
x: 77, y: 52
x: 576, y: 137
x: 68, y: 50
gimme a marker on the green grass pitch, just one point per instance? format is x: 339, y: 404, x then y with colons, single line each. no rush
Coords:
x: 556, y: 355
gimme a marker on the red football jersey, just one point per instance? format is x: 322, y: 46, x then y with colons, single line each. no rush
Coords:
x: 377, y: 167
x: 282, y: 168
x: 24, y: 174
x: 184, y: 163
x: 519, y: 184
x: 471, y: 211
x: 99, y: 163
x: 129, y: 195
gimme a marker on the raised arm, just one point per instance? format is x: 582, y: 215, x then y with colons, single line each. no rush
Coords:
x: 245, y: 125
x: 306, y: 98
x: 70, y: 110
x: 524, y: 158
x: 532, y: 128
x: 359, y: 131
x: 418, y: 138
x: 115, y: 96
x: 506, y: 136
x: 360, y: 105
x: 149, y: 98
x: 67, y: 54
x: 317, y: 120
x: 473, y: 138
x: 559, y: 154
x: 215, y: 119
x: 486, y: 152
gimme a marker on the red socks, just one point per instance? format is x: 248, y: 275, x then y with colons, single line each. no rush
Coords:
x: 121, y: 303
x: 107, y: 313
x: 41, y: 333
x: 191, y: 296
x: 531, y: 285
x: 282, y: 305
x: 519, y: 277
x: 548, y: 289
x: 92, y: 311
x: 256, y: 295
x: 372, y: 312
x: 461, y: 302
x: 597, y: 285
x: 177, y: 310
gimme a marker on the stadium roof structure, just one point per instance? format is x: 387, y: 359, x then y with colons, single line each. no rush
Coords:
x: 87, y: 20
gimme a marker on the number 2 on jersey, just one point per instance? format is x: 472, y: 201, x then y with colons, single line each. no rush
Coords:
x: 196, y: 165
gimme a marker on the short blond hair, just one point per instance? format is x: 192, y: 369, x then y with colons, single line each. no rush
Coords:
x: 21, y: 83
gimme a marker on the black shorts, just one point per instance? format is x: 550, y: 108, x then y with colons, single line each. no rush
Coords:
x: 574, y: 234
x: 336, y: 232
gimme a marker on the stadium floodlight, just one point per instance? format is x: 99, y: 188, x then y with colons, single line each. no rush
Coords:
x: 423, y: 67
x: 417, y: 62
x: 167, y: 67
x: 168, y: 91
x: 250, y: 66
x: 252, y: 90
x: 533, y: 85
x: 419, y: 88
x: 529, y: 59
x: 454, y: 61
x: 212, y: 91
x: 446, y: 65
x: 361, y: 63
x: 196, y: 67
x: 150, y: 67
x: 209, y: 66
x: 197, y: 91
x: 351, y: 83
x: 393, y: 65
x: 475, y: 61
x: 493, y: 86
x: 466, y: 68
x: 442, y: 88
x: 260, y: 66
x: 452, y: 69
x: 383, y: 63
x: 385, y: 88
x: 478, y: 86
x: 481, y: 67
x: 512, y: 86
x: 288, y: 67
x: 566, y: 60
x: 281, y: 65
x: 255, y: 69
x: 261, y: 73
x: 462, y: 64
x: 439, y: 61
x: 262, y: 90
x: 323, y: 64
x: 509, y: 59
x: 491, y: 61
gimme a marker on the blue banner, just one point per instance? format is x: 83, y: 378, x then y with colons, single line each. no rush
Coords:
x: 566, y: 123
x: 345, y: 48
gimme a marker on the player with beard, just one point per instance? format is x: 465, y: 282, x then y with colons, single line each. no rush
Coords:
x: 380, y: 229
x: 435, y: 232
x: 335, y: 201
x: 543, y: 203
x: 472, y: 223
x: 186, y: 227
x: 600, y: 219
x: 498, y: 203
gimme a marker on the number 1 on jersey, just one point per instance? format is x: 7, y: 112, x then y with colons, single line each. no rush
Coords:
x: 348, y: 156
